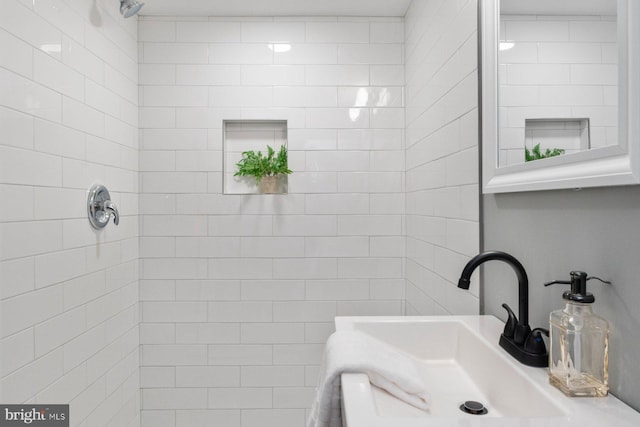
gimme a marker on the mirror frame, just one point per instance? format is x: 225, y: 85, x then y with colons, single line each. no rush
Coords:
x: 599, y: 167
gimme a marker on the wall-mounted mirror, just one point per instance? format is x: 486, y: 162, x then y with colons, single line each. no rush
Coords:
x: 560, y: 94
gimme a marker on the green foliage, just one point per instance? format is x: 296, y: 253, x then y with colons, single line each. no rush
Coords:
x: 536, y: 154
x: 258, y: 165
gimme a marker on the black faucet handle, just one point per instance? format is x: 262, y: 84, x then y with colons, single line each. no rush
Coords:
x: 512, y: 322
x: 535, y: 343
x: 522, y: 332
x: 558, y: 282
x: 514, y: 329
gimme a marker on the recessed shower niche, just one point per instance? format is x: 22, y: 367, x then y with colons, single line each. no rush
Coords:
x: 568, y: 134
x: 239, y: 136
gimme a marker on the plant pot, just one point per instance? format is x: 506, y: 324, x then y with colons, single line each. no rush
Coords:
x: 269, y: 184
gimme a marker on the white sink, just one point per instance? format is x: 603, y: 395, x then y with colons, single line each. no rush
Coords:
x: 459, y: 359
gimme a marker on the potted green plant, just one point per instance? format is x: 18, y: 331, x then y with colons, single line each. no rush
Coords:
x: 266, y: 169
x: 537, y: 154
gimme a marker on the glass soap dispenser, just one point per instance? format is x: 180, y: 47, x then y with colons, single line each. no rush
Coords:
x: 579, y: 342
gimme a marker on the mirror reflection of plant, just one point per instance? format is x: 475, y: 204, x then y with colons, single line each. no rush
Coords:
x: 536, y: 154
x: 258, y: 165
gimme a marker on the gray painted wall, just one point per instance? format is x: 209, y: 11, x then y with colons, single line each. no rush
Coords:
x: 554, y: 232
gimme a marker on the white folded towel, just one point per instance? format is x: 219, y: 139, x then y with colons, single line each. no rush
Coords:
x: 356, y: 352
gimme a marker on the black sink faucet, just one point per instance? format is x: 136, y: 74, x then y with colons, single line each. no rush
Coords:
x: 522, y: 328
x: 518, y: 339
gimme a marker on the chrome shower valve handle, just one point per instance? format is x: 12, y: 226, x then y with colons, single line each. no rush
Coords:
x: 113, y: 211
x: 100, y: 208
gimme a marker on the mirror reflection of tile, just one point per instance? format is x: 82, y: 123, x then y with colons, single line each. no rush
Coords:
x: 562, y: 70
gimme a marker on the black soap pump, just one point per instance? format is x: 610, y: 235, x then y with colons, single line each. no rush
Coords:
x: 579, y: 342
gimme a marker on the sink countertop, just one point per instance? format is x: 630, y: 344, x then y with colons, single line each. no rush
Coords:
x: 365, y: 405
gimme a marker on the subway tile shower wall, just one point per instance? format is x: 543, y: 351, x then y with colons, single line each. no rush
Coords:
x: 442, y: 206
x: 68, y: 295
x: 239, y: 292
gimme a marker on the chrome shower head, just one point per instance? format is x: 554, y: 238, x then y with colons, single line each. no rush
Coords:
x: 128, y: 8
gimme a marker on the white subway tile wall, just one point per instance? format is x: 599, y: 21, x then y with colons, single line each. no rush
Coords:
x: 69, y: 295
x: 557, y: 68
x: 239, y: 292
x: 441, y: 155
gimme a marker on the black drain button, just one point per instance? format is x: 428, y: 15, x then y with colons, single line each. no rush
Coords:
x: 473, y: 407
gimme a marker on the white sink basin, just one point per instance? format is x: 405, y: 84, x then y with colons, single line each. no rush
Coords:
x: 459, y: 359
